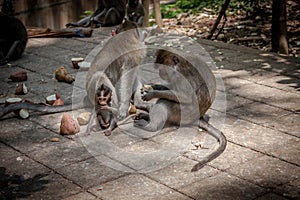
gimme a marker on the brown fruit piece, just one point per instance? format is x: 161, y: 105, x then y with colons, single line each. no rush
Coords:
x: 61, y: 74
x: 68, y: 125
x: 18, y: 76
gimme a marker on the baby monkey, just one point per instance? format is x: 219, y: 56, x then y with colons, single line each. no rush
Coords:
x: 106, y: 114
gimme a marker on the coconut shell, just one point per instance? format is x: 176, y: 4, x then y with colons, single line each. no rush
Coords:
x: 21, y: 89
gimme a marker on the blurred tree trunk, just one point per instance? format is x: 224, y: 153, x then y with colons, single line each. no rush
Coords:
x: 279, y: 31
x: 146, y: 4
x: 221, y: 14
x: 158, y: 18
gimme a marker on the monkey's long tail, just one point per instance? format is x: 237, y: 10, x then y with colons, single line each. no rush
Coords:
x: 220, y: 138
x: 40, y: 108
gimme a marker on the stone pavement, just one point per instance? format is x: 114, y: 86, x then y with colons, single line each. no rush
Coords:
x: 262, y: 126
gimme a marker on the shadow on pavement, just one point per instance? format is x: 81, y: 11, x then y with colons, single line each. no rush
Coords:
x: 14, y: 186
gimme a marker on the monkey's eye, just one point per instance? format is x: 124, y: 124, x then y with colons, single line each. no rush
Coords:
x: 175, y: 67
x: 175, y: 60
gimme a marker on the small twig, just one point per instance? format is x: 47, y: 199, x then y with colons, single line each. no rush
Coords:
x: 222, y: 12
x: 222, y: 28
x: 123, y: 121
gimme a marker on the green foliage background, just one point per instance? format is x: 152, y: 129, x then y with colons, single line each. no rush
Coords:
x: 194, y: 6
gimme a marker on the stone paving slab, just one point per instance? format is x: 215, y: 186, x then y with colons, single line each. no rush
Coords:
x: 222, y: 186
x: 266, y: 171
x: 271, y: 96
x: 7, y: 152
x: 288, y: 123
x: 179, y: 174
x: 31, y: 139
x: 256, y: 137
x: 82, y: 196
x: 234, y: 155
x: 89, y: 173
x: 271, y: 196
x: 259, y: 113
x: 26, y: 178
x: 136, y: 187
x: 290, y: 190
x: 234, y: 102
x: 56, y: 186
x: 54, y: 155
x: 261, y: 160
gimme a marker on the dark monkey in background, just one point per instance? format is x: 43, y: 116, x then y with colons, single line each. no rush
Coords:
x: 135, y: 12
x: 109, y: 13
x: 13, y: 34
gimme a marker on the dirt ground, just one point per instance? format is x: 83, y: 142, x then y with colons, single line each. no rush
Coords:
x: 251, y: 30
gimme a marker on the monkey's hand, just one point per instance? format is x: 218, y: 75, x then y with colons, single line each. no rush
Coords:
x: 149, y: 95
x: 123, y: 111
x: 146, y: 88
x: 107, y: 132
x: 108, y: 108
x: 160, y: 87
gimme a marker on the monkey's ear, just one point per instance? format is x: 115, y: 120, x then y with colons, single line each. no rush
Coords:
x: 175, y: 60
x: 141, y: 34
x: 125, y: 19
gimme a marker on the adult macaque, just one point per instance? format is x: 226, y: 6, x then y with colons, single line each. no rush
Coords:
x: 13, y: 35
x: 135, y: 12
x: 109, y: 13
x: 178, y: 101
x: 116, y: 64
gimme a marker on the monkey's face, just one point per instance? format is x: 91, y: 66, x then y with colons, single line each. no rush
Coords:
x: 167, y: 64
x: 168, y: 73
x: 103, y: 98
x: 104, y: 94
x: 163, y: 72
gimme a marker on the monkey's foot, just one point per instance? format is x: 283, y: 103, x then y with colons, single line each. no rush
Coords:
x: 143, y: 116
x: 123, y: 112
x: 107, y: 132
x: 95, y: 128
x: 140, y: 123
